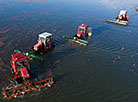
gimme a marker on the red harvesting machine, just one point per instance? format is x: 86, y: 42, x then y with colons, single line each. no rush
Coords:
x: 22, y: 77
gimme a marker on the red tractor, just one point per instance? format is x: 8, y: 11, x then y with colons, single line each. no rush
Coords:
x: 45, y: 43
x: 83, y: 30
x: 20, y: 67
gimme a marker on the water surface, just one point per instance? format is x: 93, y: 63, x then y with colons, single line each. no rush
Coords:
x: 104, y: 71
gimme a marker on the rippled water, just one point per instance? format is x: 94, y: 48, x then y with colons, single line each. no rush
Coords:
x: 104, y: 71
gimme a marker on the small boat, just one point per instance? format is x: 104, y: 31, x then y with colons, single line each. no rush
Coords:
x: 121, y: 22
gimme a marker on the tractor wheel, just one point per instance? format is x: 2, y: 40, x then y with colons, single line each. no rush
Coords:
x: 32, y: 50
x: 18, y: 80
x: 75, y: 38
x: 42, y: 52
x: 50, y: 46
x: 80, y: 37
x: 12, y: 71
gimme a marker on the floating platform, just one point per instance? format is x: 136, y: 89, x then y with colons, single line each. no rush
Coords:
x: 79, y: 41
x: 121, y: 22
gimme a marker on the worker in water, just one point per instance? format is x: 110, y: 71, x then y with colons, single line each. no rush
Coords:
x: 123, y: 15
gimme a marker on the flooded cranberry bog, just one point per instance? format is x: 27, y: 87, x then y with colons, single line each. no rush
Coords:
x: 104, y: 71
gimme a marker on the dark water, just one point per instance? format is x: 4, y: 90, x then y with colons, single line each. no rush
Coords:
x: 104, y: 71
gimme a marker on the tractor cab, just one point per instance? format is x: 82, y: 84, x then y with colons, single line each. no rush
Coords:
x: 20, y: 65
x: 44, y: 42
x: 45, y: 38
x: 84, y: 30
